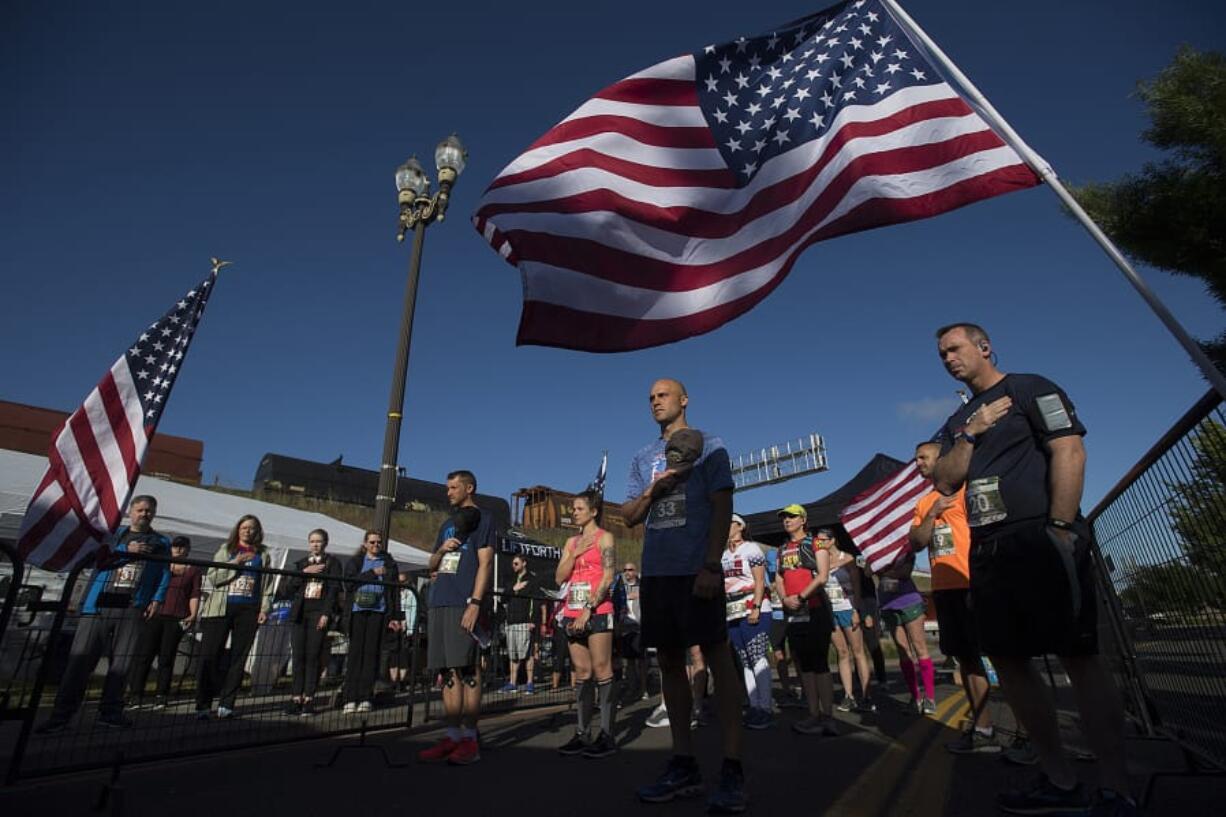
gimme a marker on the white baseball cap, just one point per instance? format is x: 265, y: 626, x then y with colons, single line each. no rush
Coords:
x: 736, y: 517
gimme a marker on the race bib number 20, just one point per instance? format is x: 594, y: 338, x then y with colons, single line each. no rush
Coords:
x: 984, y: 504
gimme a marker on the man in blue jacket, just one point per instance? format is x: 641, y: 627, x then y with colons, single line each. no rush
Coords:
x: 120, y: 596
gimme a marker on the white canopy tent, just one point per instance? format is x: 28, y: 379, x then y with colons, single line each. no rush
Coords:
x: 204, y: 516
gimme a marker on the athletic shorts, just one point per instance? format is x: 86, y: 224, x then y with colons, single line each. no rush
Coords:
x: 674, y: 618
x: 842, y: 619
x: 1028, y: 600
x: 905, y: 615
x: 809, y: 641
x: 779, y: 633
x: 519, y: 641
x: 450, y: 646
x: 561, y: 647
x: 956, y: 622
x: 602, y: 623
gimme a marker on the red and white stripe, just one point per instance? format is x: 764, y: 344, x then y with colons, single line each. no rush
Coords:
x: 879, y: 519
x: 630, y: 231
x: 93, y: 466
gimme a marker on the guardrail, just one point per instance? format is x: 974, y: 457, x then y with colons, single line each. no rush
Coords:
x: 157, y: 722
x: 1162, y: 537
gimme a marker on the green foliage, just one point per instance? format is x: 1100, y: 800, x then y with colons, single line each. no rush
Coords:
x: 1170, y: 214
x: 1198, y: 510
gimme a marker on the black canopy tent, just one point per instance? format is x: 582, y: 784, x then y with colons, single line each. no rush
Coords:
x: 767, y: 528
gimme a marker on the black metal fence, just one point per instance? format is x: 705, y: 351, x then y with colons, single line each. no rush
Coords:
x: 155, y: 722
x: 1162, y: 536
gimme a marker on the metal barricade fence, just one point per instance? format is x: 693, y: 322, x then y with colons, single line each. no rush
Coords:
x: 152, y: 721
x: 1162, y: 538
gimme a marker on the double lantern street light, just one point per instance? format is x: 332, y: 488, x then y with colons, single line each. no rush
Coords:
x: 418, y: 209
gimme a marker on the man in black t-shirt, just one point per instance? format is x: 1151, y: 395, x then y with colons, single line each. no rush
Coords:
x: 522, y: 615
x: 1016, y: 446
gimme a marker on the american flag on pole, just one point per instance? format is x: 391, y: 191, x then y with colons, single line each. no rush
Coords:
x: 96, y: 457
x: 597, y: 484
x: 677, y: 199
x: 879, y: 519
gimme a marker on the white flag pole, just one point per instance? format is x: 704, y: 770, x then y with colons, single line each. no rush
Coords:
x: 1045, y: 171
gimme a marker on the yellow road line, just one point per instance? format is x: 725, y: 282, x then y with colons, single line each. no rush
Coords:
x: 873, y: 788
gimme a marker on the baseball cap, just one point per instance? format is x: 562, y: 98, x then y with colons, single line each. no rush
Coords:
x: 740, y: 520
x: 794, y: 510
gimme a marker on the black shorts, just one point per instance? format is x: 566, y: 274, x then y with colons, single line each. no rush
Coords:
x: 1026, y: 601
x: 956, y: 623
x: 561, y: 647
x: 809, y: 641
x: 779, y: 633
x: 602, y: 623
x: 674, y: 618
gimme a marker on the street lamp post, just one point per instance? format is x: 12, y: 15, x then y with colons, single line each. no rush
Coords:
x: 418, y: 209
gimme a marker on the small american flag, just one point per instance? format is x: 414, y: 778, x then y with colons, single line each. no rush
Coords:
x: 597, y: 484
x: 677, y: 199
x: 96, y: 457
x: 879, y: 519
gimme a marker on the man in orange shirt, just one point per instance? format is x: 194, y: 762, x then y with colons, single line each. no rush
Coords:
x: 939, y: 526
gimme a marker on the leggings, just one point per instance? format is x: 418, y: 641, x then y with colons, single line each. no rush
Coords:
x: 752, y: 643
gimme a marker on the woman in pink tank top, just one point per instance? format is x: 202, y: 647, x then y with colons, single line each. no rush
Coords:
x: 587, y: 568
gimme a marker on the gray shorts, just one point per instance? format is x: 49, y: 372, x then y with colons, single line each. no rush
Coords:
x: 519, y: 641
x: 449, y: 646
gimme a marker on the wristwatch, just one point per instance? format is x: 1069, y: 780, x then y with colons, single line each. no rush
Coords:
x: 965, y: 435
x: 473, y: 600
x: 1059, y: 524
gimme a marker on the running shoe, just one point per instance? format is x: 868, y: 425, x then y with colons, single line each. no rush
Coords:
x: 365, y: 706
x: 1111, y: 804
x: 758, y: 719
x: 830, y: 728
x: 866, y: 706
x: 508, y: 687
x: 161, y: 703
x: 974, y: 742
x: 730, y: 796
x: 225, y: 712
x: 603, y: 746
x: 115, y: 720
x: 928, y: 707
x: 1021, y: 753
x: 1045, y: 798
x: 349, y: 708
x: 203, y: 714
x: 308, y: 708
x: 658, y: 717
x: 465, y: 753
x: 293, y: 708
x: 811, y: 725
x: 847, y: 704
x: 438, y: 752
x: 528, y: 689
x: 574, y: 746
x: 680, y: 779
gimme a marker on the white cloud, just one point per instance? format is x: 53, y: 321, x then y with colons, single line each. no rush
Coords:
x: 928, y: 409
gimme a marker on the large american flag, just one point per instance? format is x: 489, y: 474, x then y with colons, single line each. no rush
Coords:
x: 677, y: 199
x: 879, y: 518
x: 96, y: 457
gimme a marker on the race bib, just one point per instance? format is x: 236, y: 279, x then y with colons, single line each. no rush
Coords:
x: 243, y: 586
x: 984, y: 504
x: 126, y: 577
x: 668, y: 512
x: 578, y: 597
x: 314, y: 590
x: 736, y: 608
x: 450, y: 562
x: 942, y: 541
x: 888, y: 585
x: 834, y: 591
x: 367, y: 599
x: 799, y: 616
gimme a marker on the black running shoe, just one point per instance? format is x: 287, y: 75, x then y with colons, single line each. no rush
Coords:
x: 1043, y: 797
x: 679, y: 780
x: 574, y: 746
x: 603, y: 746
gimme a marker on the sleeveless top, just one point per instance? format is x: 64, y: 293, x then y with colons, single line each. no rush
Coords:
x: 585, y: 579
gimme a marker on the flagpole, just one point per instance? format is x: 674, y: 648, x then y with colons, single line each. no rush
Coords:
x: 1048, y: 174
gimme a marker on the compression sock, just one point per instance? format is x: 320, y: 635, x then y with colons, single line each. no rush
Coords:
x: 604, y: 695
x: 584, y: 693
x: 928, y: 672
x: 908, y: 674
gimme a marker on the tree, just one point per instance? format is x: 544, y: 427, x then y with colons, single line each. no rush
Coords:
x: 1170, y: 214
x: 1198, y: 507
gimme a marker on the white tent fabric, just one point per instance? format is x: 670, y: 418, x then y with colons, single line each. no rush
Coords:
x: 205, y: 516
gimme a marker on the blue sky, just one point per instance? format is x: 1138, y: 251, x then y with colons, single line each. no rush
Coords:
x: 145, y: 137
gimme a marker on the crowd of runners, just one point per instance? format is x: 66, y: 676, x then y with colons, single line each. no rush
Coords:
x: 1011, y: 569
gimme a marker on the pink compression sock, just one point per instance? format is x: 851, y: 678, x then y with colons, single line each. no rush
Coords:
x: 908, y: 674
x: 929, y: 673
